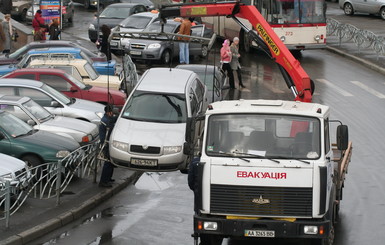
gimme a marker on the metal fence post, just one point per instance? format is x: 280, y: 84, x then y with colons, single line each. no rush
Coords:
x: 7, y: 204
x: 58, y: 182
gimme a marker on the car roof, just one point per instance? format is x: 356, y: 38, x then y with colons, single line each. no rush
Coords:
x: 13, y: 99
x: 54, y: 42
x: 149, y: 14
x: 198, y: 67
x: 38, y: 70
x: 165, y: 80
x: 20, y: 82
x: 54, y: 50
x: 123, y: 5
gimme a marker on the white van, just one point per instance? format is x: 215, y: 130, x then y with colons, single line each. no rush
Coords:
x: 150, y: 131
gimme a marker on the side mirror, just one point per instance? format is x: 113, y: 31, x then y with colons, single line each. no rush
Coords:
x: 54, y: 104
x: 189, y: 141
x: 73, y: 89
x: 31, y: 122
x: 342, y: 137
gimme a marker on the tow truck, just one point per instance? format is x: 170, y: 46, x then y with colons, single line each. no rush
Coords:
x: 267, y: 168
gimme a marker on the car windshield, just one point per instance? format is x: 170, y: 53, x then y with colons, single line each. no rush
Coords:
x: 152, y: 107
x: 14, y: 126
x: 59, y: 96
x: 136, y: 22
x: 271, y: 136
x: 38, y: 111
x: 116, y: 13
x: 78, y: 83
x: 92, y: 73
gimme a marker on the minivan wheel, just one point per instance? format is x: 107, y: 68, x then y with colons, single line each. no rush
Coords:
x: 382, y: 13
x: 348, y: 9
x: 166, y: 57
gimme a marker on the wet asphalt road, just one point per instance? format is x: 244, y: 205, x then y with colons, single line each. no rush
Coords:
x: 158, y: 209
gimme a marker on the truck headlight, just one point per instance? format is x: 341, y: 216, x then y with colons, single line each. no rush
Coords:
x: 120, y: 145
x: 154, y: 46
x: 171, y: 149
x: 99, y: 114
x: 6, y: 177
x: 210, y: 226
x: 91, y: 27
x: 310, y: 229
x: 62, y: 154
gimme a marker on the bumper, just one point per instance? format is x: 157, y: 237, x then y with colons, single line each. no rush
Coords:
x: 307, y: 46
x: 283, y: 229
x: 145, y: 54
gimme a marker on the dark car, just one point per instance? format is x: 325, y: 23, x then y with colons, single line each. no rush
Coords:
x: 149, y: 4
x: 206, y: 73
x: 94, y: 3
x: 112, y: 16
x: 16, y: 56
x: 68, y: 11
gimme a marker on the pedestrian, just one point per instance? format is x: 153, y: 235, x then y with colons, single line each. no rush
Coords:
x: 235, y: 65
x: 7, y: 34
x: 184, y: 53
x: 39, y: 26
x: 193, y: 175
x: 104, y: 44
x: 54, y: 30
x: 107, y: 123
x: 225, y: 61
x: 2, y: 35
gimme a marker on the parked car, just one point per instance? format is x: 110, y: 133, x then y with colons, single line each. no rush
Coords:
x: 13, y: 170
x: 94, y: 3
x: 150, y: 131
x: 20, y: 8
x: 136, y: 22
x: 35, y: 147
x: 215, y: 84
x: 112, y: 16
x: 39, y: 118
x: 16, y: 56
x: 70, y: 86
x: 85, y: 70
x: 52, y: 100
x: 149, y: 4
x: 164, y: 51
x: 371, y: 7
x: 104, y: 67
x: 68, y: 11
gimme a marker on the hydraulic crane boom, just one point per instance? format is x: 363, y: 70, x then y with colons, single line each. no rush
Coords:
x: 295, y: 76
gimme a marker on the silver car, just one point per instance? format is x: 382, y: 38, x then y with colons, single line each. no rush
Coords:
x: 39, y: 118
x: 52, y: 100
x: 150, y: 133
x: 13, y: 170
x: 376, y: 7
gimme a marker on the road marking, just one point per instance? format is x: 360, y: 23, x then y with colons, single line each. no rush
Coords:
x: 368, y: 89
x: 335, y: 87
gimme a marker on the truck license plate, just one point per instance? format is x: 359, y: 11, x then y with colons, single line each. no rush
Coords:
x: 144, y: 162
x: 259, y: 233
x: 136, y: 52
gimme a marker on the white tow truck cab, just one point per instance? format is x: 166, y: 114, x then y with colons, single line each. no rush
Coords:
x: 268, y: 169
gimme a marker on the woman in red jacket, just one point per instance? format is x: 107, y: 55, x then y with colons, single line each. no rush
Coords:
x: 39, y: 26
x: 225, y: 60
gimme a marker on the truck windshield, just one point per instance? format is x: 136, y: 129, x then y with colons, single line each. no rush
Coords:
x: 271, y: 136
x: 151, y: 107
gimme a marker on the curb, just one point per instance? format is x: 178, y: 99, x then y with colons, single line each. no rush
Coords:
x: 364, y: 62
x: 69, y: 216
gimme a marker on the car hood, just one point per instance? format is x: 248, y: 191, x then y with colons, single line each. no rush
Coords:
x: 111, y: 23
x: 10, y: 164
x: 149, y: 133
x: 103, y: 80
x: 147, y: 41
x: 69, y: 125
x: 4, y: 69
x: 50, y: 141
x: 88, y: 105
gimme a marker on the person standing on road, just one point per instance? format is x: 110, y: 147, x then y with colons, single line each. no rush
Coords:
x: 39, y: 26
x: 7, y: 30
x: 104, y: 44
x: 107, y: 123
x: 235, y: 65
x: 184, y: 53
x: 54, y: 30
x: 225, y: 61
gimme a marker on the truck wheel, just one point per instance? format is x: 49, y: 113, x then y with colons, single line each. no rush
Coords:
x: 382, y: 13
x: 348, y: 9
x: 211, y: 240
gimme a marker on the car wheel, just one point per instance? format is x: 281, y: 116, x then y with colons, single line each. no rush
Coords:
x: 87, y: 4
x: 166, y: 56
x: 32, y: 161
x: 24, y: 15
x: 348, y: 9
x: 382, y: 13
x: 71, y: 19
x: 205, y: 51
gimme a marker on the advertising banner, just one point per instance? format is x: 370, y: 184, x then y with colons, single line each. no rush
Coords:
x: 50, y: 10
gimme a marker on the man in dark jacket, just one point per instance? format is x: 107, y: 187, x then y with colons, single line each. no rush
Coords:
x: 107, y: 123
x: 193, y: 176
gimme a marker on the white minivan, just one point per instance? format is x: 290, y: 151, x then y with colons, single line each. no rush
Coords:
x: 150, y: 133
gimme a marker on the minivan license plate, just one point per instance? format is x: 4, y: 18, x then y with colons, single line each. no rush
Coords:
x: 259, y: 233
x: 136, y: 52
x: 144, y: 162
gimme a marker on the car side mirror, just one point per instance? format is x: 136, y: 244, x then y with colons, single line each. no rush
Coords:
x: 342, y: 137
x: 73, y: 89
x: 31, y: 122
x: 54, y: 104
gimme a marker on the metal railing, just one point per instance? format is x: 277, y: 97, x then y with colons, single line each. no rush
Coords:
x: 47, y: 180
x: 364, y: 39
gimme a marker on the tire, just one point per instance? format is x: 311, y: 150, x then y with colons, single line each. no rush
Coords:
x: 166, y: 57
x: 32, y: 161
x: 348, y: 9
x: 245, y: 41
x: 382, y: 13
x: 87, y: 4
x: 23, y: 15
x: 71, y: 19
x: 211, y: 240
x: 205, y: 51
